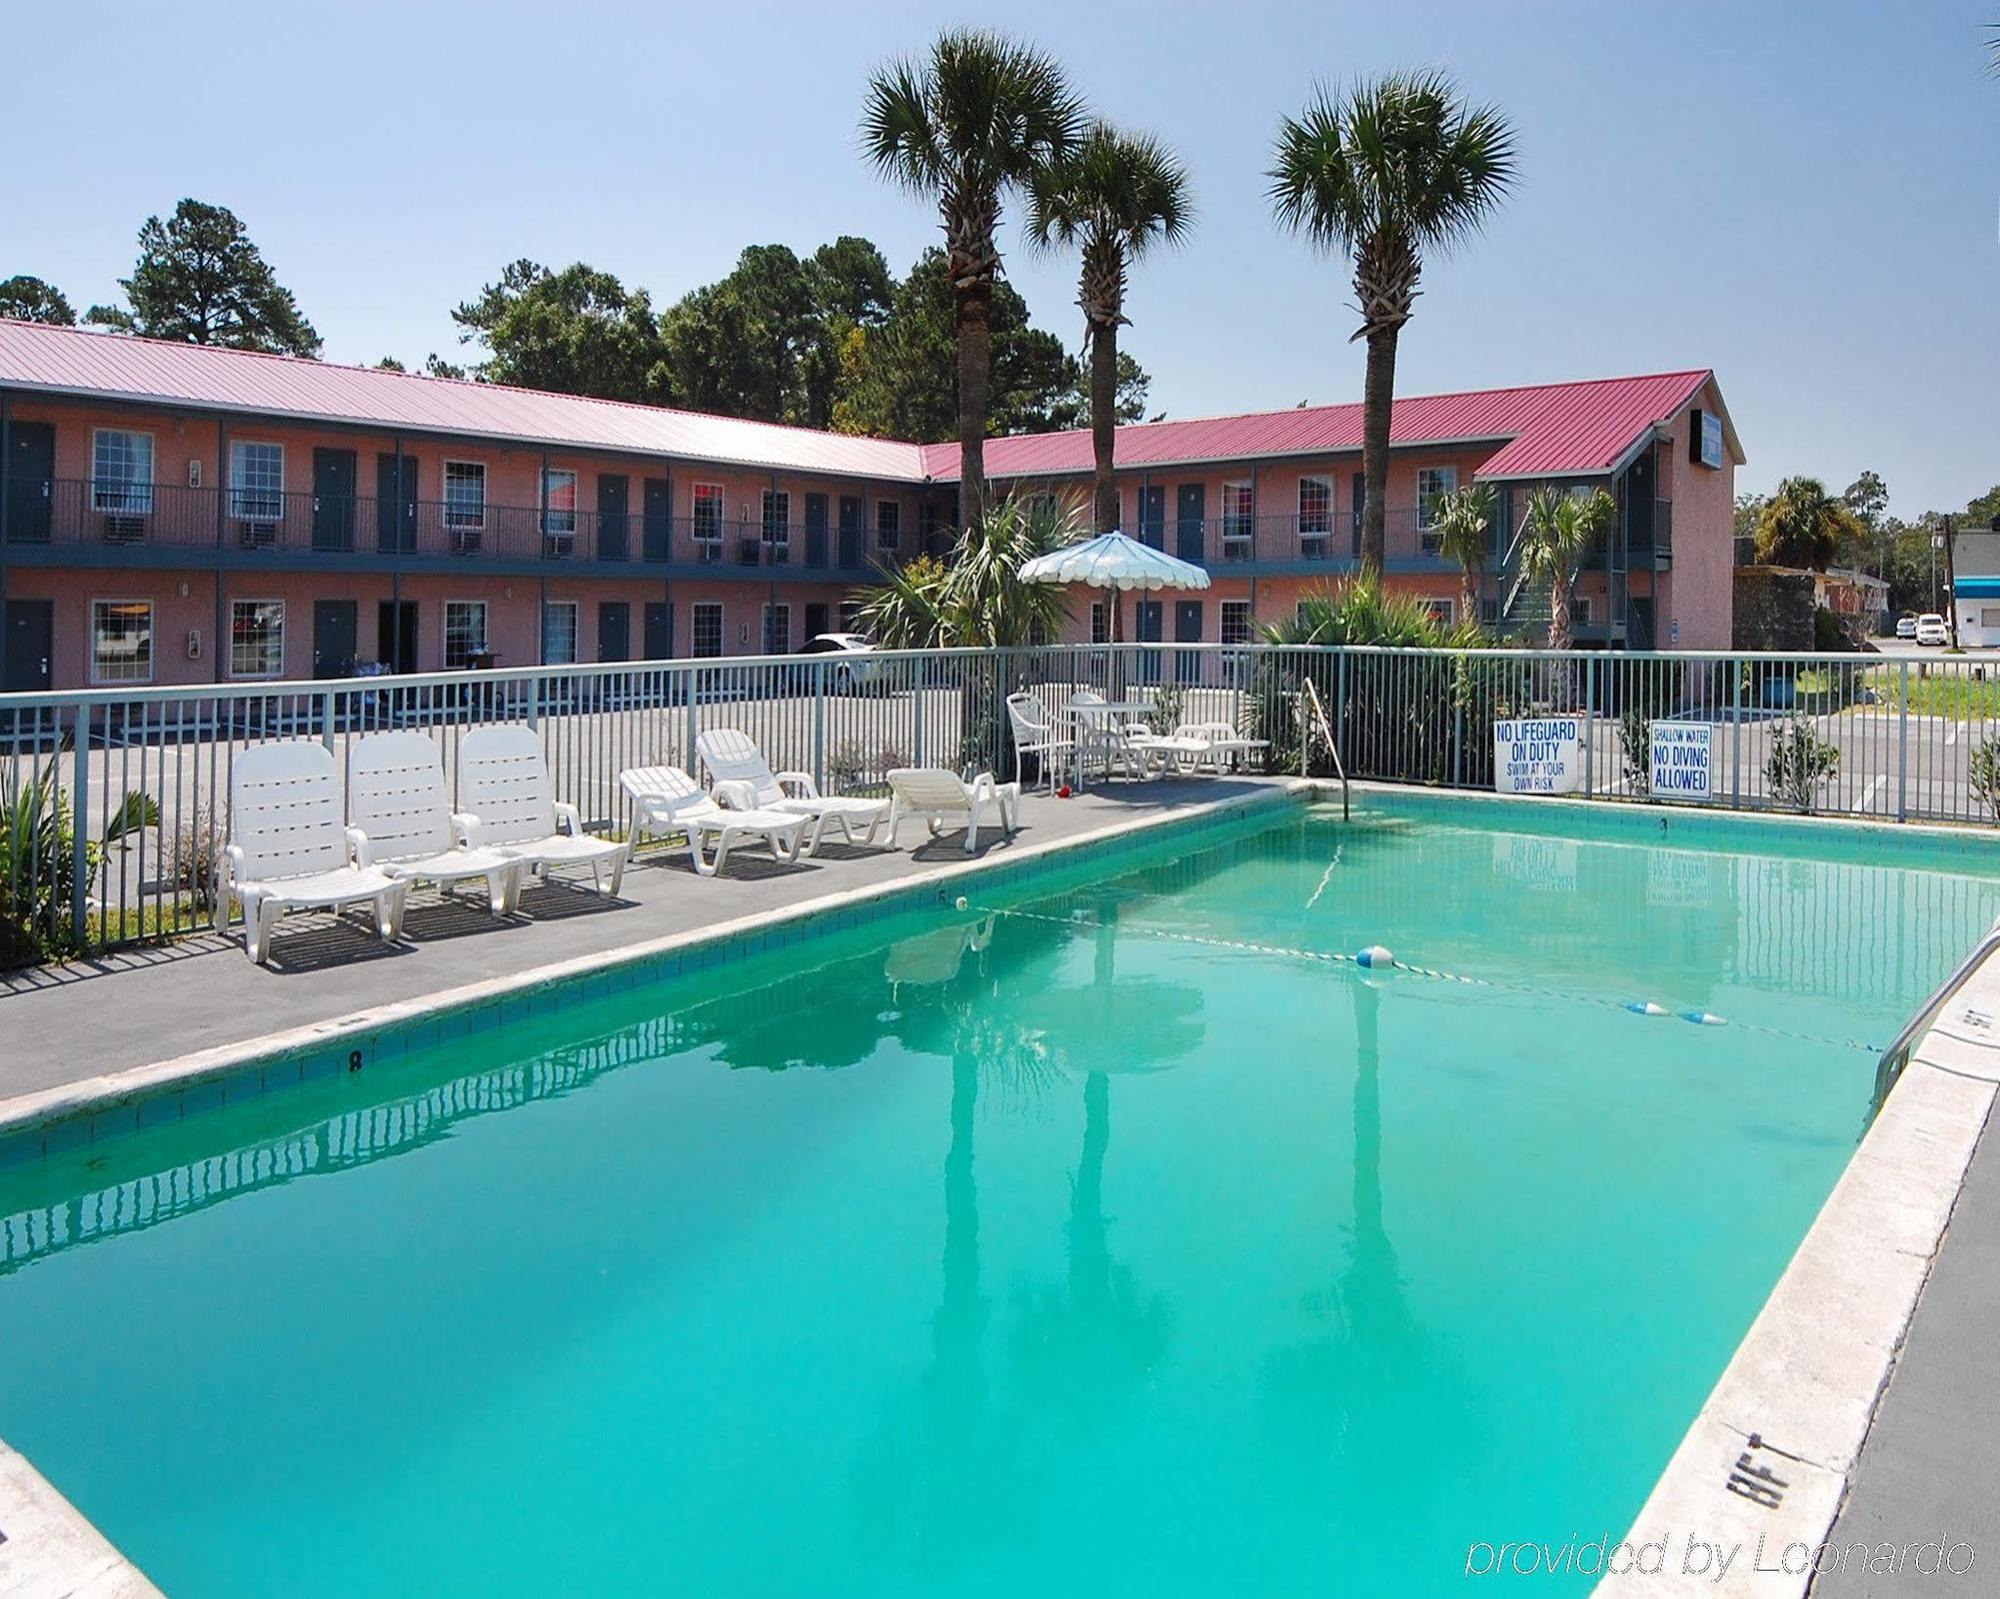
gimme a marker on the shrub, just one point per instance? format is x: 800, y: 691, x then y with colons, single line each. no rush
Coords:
x: 38, y: 861
x: 197, y: 848
x: 1635, y: 745
x: 1985, y: 774
x: 1799, y: 762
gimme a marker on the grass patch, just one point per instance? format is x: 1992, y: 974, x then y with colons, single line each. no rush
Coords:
x: 1956, y: 696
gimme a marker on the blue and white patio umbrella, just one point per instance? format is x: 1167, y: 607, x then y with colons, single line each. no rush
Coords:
x: 1113, y: 561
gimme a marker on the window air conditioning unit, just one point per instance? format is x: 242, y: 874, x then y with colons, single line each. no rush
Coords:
x: 258, y: 534
x: 707, y: 550
x: 123, y: 527
x: 746, y: 552
x: 465, y: 541
x: 558, y: 546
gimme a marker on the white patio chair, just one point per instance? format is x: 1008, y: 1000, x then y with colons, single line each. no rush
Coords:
x: 287, y: 849
x: 1035, y: 734
x: 943, y: 799
x: 665, y: 800
x: 399, y: 819
x: 741, y: 778
x: 507, y: 804
x: 1102, y: 738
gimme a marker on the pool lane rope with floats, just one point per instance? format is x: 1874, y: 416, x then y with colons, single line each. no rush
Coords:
x: 1379, y: 958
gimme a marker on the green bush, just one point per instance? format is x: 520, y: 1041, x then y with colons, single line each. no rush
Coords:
x: 1985, y: 774
x: 1635, y: 747
x: 38, y: 862
x: 1799, y: 762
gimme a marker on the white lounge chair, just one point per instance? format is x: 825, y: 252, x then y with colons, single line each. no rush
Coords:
x: 399, y: 819
x: 742, y: 779
x: 287, y: 849
x: 944, y: 799
x: 506, y: 804
x: 1226, y: 748
x: 665, y: 800
x: 1035, y: 734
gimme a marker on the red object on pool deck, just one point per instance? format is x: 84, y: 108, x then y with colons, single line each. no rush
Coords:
x: 1063, y: 792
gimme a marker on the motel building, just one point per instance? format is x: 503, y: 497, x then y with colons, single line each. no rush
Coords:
x: 176, y: 514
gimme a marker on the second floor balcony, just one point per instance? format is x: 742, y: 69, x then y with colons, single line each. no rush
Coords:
x: 239, y: 527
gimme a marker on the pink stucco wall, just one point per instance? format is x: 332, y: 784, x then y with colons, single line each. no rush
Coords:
x: 1699, y: 589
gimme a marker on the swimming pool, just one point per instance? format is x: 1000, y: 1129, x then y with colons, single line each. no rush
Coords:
x: 1110, y: 1235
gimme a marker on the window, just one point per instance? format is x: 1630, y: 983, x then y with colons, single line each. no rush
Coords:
x: 559, y: 496
x: 1100, y: 622
x: 1437, y: 610
x: 256, y: 638
x: 464, y: 632
x: 777, y: 629
x: 256, y: 481
x: 708, y: 514
x: 121, y: 472
x: 1581, y: 606
x: 559, y: 633
x: 888, y: 524
x: 850, y: 616
x: 1239, y: 510
x: 707, y: 628
x: 465, y: 494
x: 121, y: 641
x: 1433, y: 484
x: 1236, y: 621
x: 1315, y: 507
x: 778, y: 522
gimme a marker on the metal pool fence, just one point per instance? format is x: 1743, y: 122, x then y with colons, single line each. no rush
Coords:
x: 113, y: 801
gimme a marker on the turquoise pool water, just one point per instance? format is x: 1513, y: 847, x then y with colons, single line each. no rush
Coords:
x: 1063, y: 1246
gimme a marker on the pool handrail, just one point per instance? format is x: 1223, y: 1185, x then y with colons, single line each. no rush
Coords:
x: 1332, y: 745
x: 1897, y: 1055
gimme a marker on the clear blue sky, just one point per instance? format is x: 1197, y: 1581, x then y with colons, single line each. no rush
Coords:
x: 1802, y: 196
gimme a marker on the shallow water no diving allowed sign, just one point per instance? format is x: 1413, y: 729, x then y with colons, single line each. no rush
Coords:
x: 1683, y: 760
x: 1538, y: 755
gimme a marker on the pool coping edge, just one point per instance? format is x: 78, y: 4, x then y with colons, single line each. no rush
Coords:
x: 50, y: 1550
x: 1769, y: 1460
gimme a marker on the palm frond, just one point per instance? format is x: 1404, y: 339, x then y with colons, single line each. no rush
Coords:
x: 1125, y: 189
x: 1400, y: 154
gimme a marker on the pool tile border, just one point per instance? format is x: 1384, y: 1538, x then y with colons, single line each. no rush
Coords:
x: 1770, y: 1458
x: 54, y: 1121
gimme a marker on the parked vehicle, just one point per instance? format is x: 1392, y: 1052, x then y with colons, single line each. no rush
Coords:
x: 1931, y: 629
x: 1906, y: 627
x: 850, y: 667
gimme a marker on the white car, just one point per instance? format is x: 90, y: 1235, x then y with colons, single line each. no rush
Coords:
x: 1931, y: 629
x: 850, y: 667
x: 1906, y: 627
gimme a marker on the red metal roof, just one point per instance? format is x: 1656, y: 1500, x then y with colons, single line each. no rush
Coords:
x: 1546, y: 430
x: 155, y: 371
x: 1543, y: 431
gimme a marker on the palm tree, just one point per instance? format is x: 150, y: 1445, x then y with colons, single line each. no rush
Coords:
x: 1395, y: 169
x: 1460, y: 522
x: 1557, y: 531
x: 1802, y: 525
x: 979, y: 116
x: 1116, y: 195
x: 975, y: 598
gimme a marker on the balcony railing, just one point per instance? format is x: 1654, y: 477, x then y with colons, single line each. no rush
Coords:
x: 1335, y: 538
x: 73, y: 513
